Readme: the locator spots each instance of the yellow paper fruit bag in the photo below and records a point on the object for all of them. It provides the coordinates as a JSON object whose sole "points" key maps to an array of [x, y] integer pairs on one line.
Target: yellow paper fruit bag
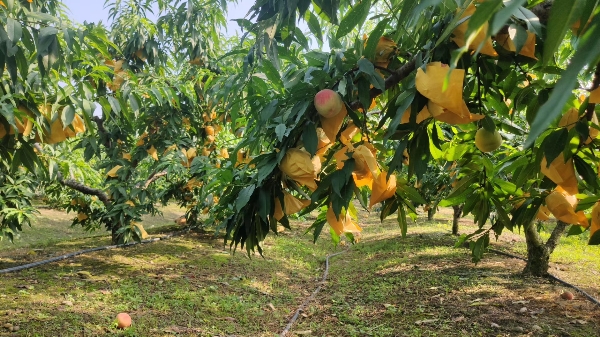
{"points": [[344, 224], [562, 205], [298, 166], [383, 188], [291, 205], [460, 39], [561, 173]]}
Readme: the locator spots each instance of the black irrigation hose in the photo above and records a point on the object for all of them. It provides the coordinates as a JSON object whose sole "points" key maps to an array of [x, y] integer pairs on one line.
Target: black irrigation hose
{"points": [[311, 297], [550, 276], [66, 256]]}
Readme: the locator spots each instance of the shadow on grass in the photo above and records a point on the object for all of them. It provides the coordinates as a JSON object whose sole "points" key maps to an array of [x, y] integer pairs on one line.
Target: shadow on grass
{"points": [[418, 286]]}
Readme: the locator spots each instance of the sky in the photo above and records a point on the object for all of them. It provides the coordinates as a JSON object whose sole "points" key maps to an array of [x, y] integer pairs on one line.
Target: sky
{"points": [[94, 11]]}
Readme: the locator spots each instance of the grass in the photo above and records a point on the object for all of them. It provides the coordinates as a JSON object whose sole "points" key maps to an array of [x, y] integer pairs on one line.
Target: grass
{"points": [[385, 285], [54, 226]]}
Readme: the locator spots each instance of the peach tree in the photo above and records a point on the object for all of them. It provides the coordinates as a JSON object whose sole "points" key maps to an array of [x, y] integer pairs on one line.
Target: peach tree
{"points": [[437, 73], [111, 120]]}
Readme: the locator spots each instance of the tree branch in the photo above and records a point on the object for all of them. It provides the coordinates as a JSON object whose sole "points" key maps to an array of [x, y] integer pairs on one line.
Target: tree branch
{"points": [[395, 78], [542, 11], [102, 130], [555, 236], [154, 177], [77, 186]]}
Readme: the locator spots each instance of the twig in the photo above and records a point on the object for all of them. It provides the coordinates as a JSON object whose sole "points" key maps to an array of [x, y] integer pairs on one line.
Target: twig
{"points": [[311, 297], [154, 177], [395, 78]]}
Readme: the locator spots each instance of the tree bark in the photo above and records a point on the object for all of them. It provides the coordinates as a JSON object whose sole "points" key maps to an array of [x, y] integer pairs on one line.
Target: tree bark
{"points": [[430, 213], [83, 189], [538, 253], [455, 217]]}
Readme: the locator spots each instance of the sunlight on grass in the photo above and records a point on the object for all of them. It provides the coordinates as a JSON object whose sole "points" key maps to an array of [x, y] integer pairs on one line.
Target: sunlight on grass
{"points": [[378, 287]]}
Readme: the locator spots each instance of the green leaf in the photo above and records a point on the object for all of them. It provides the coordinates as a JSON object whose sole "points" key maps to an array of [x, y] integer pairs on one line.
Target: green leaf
{"points": [[410, 193], [244, 197], [373, 39], [554, 144], [405, 100], [586, 171], [268, 111], [586, 203], [533, 22], [587, 51], [402, 220], [488, 123], [114, 105], [310, 138], [502, 215], [505, 186], [317, 227], [458, 195], [67, 116], [575, 230], [280, 131], [396, 162], [562, 16], [503, 15], [272, 73], [14, 30], [594, 238], [353, 18], [42, 16], [265, 167], [313, 25], [365, 66]]}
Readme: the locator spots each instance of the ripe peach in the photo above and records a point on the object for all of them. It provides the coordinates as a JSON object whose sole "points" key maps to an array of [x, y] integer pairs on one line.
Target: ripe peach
{"points": [[123, 320], [328, 103], [567, 295]]}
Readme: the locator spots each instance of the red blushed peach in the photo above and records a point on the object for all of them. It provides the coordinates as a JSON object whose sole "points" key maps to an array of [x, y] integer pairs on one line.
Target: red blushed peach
{"points": [[123, 320], [328, 103], [567, 295]]}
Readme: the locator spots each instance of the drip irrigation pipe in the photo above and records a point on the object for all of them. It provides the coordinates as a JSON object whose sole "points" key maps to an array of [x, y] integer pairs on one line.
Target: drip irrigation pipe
{"points": [[312, 296], [552, 277], [85, 251]]}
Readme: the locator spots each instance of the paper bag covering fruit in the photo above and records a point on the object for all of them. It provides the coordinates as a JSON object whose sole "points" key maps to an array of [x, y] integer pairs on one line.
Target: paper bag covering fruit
{"points": [[481, 38], [298, 166], [24, 124], [444, 105], [561, 173], [189, 154], [343, 224], [562, 205], [113, 172], [571, 117], [528, 48], [291, 205]]}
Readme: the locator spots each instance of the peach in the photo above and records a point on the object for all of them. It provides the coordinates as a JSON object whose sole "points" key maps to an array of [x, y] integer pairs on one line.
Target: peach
{"points": [[123, 320], [328, 103]]}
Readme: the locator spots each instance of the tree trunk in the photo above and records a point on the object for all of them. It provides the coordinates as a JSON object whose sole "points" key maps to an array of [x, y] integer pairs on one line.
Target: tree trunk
{"points": [[455, 217], [430, 213], [538, 253]]}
